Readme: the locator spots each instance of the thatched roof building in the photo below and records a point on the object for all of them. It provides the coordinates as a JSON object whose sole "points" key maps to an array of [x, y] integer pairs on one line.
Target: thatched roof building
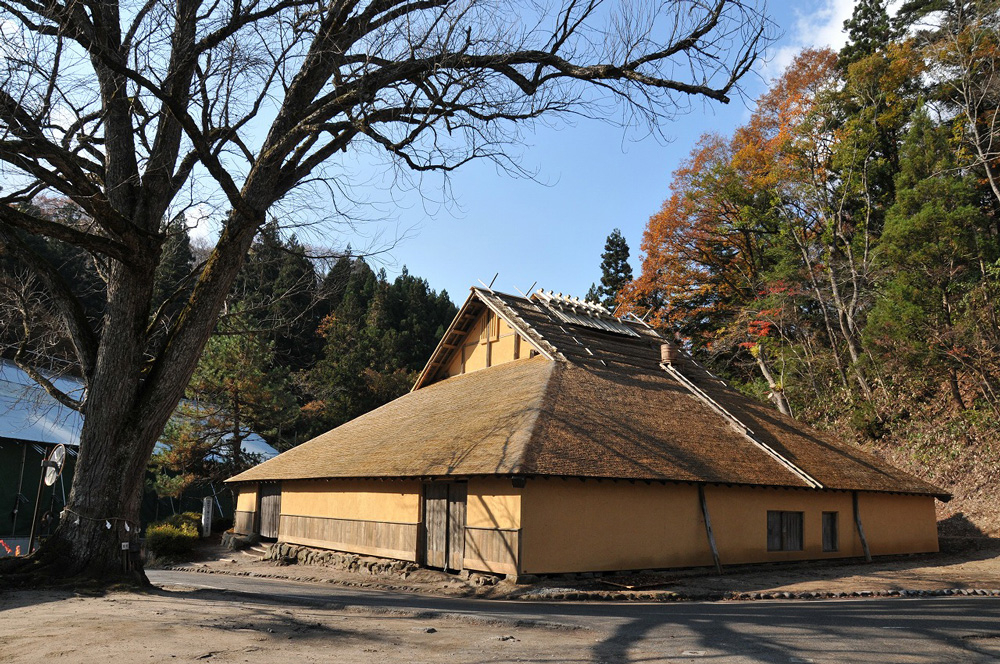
{"points": [[547, 435]]}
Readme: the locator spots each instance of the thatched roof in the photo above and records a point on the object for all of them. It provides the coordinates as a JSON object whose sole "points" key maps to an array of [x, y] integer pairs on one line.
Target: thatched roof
{"points": [[601, 407]]}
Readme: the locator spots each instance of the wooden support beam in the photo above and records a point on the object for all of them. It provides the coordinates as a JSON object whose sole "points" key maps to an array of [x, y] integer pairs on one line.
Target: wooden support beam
{"points": [[708, 529], [861, 528]]}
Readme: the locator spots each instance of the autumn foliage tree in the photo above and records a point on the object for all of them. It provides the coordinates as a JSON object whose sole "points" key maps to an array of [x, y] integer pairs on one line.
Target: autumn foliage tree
{"points": [[836, 250]]}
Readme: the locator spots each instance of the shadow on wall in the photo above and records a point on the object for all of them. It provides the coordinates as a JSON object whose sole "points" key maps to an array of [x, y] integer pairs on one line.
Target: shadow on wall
{"points": [[496, 545]]}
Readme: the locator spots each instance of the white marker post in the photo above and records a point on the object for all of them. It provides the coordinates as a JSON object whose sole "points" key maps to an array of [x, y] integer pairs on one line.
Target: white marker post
{"points": [[206, 517]]}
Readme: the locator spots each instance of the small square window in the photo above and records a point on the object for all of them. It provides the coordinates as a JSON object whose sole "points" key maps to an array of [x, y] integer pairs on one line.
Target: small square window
{"points": [[831, 541], [784, 531]]}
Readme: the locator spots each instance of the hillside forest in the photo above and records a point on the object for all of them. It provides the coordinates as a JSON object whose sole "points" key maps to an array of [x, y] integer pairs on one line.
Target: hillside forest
{"points": [[839, 253]]}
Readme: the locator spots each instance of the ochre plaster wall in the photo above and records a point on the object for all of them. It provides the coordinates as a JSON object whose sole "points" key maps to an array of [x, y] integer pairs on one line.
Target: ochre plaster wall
{"points": [[246, 500], [560, 525], [490, 341], [739, 522], [493, 523], [359, 500], [892, 523], [245, 515], [493, 503], [898, 524], [379, 518], [574, 526]]}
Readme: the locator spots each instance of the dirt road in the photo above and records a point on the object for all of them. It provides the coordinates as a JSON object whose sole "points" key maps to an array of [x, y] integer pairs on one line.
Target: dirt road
{"points": [[245, 619]]}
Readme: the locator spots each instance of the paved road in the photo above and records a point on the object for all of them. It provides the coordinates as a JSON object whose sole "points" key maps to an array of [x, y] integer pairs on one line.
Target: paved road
{"points": [[924, 630]]}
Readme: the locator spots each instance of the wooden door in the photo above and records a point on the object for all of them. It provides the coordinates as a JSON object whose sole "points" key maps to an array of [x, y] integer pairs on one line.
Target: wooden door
{"points": [[436, 524], [270, 509], [457, 495]]}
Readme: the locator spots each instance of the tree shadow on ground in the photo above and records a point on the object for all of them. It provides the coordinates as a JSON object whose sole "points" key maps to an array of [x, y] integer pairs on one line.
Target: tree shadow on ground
{"points": [[959, 525], [887, 631]]}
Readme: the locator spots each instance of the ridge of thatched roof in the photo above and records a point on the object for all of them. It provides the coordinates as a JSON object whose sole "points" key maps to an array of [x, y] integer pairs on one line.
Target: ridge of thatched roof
{"points": [[595, 404]]}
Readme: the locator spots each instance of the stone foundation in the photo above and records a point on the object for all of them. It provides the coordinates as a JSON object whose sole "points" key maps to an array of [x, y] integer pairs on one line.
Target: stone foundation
{"points": [[235, 542], [293, 554]]}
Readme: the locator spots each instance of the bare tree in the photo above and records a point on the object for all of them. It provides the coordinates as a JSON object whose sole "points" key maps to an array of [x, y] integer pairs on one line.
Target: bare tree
{"points": [[962, 45], [131, 109]]}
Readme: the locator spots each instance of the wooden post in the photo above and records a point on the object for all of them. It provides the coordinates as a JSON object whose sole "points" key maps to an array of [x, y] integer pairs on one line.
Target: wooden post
{"points": [[861, 529], [708, 529], [38, 501], [20, 485]]}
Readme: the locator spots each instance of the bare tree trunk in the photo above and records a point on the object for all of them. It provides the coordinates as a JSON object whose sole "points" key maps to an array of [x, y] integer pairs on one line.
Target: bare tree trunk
{"points": [[777, 390], [845, 319], [823, 306], [956, 393], [115, 445]]}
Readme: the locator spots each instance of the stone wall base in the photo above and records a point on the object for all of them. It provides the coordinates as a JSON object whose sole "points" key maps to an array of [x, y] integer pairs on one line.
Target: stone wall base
{"points": [[293, 554], [235, 542]]}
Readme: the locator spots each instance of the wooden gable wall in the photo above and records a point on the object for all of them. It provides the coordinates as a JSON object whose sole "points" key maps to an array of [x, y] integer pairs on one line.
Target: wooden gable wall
{"points": [[490, 341]]}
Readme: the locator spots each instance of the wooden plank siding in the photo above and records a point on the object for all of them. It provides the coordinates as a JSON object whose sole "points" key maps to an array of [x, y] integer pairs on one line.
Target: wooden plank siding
{"points": [[270, 510], [492, 549], [436, 524], [243, 522], [375, 538], [458, 494]]}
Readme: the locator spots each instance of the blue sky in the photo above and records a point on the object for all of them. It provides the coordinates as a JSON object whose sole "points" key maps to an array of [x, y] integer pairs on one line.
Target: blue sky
{"points": [[592, 178]]}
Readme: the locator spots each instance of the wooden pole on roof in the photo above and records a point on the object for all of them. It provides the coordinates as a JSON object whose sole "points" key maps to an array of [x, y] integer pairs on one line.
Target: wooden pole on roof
{"points": [[861, 529], [708, 529]]}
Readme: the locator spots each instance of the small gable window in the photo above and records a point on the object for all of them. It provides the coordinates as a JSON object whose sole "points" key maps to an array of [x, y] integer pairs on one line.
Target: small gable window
{"points": [[784, 531]]}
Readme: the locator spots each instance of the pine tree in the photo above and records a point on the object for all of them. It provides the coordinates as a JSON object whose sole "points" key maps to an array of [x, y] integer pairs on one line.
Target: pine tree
{"points": [[615, 270], [237, 389]]}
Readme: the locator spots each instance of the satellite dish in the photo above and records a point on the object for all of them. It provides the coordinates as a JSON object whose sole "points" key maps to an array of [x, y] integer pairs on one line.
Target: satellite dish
{"points": [[54, 464]]}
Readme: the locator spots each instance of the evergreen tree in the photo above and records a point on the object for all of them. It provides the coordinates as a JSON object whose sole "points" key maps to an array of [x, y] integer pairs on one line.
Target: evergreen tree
{"points": [[276, 292], [173, 273], [377, 339], [868, 30], [237, 389], [931, 256], [615, 271]]}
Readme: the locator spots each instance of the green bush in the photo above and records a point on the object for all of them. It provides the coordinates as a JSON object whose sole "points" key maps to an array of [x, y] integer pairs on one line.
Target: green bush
{"points": [[164, 539], [185, 520]]}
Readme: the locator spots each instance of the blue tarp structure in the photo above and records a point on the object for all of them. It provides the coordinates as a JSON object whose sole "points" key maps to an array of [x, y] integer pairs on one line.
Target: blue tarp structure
{"points": [[31, 424]]}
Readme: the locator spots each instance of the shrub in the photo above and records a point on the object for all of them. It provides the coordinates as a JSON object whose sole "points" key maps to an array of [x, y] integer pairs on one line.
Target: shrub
{"points": [[185, 520], [164, 539]]}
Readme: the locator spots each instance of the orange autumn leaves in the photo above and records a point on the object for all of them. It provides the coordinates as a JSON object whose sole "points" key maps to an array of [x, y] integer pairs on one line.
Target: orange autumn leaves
{"points": [[709, 242]]}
